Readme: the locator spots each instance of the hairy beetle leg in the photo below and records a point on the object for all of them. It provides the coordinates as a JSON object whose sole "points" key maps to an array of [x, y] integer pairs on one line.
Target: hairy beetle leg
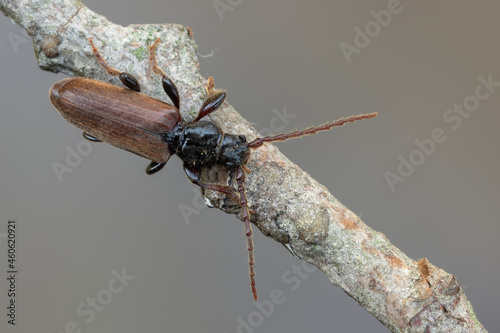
{"points": [[169, 87], [128, 80]]}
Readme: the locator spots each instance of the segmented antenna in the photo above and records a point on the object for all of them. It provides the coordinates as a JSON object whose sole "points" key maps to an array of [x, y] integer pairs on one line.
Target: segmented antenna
{"points": [[308, 131], [240, 179]]}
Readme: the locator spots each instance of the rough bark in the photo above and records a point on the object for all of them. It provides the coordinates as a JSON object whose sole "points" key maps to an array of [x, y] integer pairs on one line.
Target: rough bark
{"points": [[288, 205]]}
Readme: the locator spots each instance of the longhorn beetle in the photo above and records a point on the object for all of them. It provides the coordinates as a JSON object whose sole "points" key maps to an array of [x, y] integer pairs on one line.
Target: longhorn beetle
{"points": [[155, 130]]}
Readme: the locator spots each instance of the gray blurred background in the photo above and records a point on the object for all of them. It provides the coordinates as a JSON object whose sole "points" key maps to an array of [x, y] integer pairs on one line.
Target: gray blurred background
{"points": [[108, 215]]}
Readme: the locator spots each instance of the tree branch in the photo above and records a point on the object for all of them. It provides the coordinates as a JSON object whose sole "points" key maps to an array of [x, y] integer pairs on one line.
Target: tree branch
{"points": [[288, 204]]}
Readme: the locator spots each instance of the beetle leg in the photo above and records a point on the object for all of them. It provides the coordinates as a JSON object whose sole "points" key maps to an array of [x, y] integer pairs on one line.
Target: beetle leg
{"points": [[90, 137], [211, 104], [240, 179], [210, 85], [193, 175], [169, 87], [127, 79], [154, 167], [214, 99]]}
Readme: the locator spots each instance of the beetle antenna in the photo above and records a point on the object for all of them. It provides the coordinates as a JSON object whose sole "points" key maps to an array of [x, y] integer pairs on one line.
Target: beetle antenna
{"points": [[240, 179], [308, 131]]}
